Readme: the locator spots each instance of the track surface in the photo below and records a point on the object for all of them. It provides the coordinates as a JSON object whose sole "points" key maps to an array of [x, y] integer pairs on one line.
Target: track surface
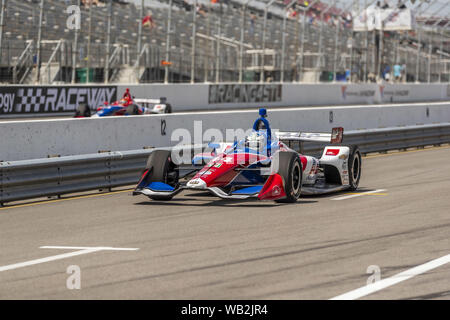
{"points": [[199, 247]]}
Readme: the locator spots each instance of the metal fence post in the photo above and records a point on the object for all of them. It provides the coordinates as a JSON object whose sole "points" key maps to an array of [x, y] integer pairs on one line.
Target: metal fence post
{"points": [[89, 45], [441, 51], [2, 22], [266, 7], [108, 42], [283, 39], [139, 44], [336, 41], [38, 56], [194, 35], [169, 23], [241, 41], [218, 44], [380, 52], [75, 47]]}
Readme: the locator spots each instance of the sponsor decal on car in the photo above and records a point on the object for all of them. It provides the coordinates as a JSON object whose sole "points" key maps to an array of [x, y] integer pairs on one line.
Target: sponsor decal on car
{"points": [[332, 152]]}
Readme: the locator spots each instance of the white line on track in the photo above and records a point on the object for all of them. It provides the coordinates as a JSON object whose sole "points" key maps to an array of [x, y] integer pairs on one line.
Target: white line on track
{"points": [[80, 251], [402, 276], [82, 248], [358, 194]]}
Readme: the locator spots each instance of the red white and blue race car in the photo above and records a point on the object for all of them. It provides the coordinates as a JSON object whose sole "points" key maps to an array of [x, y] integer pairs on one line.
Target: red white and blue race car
{"points": [[260, 166], [126, 106]]}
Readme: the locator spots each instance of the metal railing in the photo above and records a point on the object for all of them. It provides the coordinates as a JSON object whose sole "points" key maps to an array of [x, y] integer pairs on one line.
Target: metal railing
{"points": [[24, 64], [20, 180]]}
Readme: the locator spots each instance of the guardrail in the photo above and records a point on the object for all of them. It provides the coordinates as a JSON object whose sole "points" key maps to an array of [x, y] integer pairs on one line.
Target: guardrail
{"points": [[385, 139], [27, 179]]}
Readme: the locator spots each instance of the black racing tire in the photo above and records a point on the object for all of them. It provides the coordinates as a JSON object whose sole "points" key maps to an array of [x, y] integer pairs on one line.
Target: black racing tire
{"points": [[162, 169], [83, 111], [290, 169], [168, 109], [132, 110], [354, 167]]}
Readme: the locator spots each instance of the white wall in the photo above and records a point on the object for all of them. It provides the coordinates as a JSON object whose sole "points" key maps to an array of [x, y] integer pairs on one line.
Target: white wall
{"points": [[184, 97], [39, 138]]}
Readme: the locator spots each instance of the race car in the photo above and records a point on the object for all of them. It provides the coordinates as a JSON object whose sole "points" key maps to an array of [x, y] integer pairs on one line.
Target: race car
{"points": [[128, 105], [260, 166]]}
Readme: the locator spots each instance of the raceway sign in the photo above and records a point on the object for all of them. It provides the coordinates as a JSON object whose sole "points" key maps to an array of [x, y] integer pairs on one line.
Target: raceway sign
{"points": [[19, 100], [244, 93]]}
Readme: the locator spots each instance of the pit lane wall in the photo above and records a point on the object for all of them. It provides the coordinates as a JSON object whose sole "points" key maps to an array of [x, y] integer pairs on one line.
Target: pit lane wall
{"points": [[40, 138], [30, 101]]}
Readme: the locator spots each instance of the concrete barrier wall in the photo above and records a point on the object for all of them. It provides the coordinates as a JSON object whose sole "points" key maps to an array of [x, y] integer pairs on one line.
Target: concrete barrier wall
{"points": [[44, 100], [40, 138], [186, 97]]}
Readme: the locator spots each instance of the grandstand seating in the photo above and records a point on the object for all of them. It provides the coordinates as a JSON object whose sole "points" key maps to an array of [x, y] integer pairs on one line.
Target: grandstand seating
{"points": [[23, 20]]}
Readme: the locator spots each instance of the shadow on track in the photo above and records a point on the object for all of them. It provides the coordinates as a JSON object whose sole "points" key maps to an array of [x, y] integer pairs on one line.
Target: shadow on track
{"points": [[253, 203]]}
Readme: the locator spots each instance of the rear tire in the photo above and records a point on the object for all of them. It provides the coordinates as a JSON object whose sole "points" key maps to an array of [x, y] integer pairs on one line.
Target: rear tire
{"points": [[162, 169], [168, 109], [290, 169], [83, 111], [354, 167]]}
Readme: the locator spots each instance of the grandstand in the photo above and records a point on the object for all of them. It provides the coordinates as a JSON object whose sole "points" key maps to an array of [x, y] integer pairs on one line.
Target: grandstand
{"points": [[319, 43]]}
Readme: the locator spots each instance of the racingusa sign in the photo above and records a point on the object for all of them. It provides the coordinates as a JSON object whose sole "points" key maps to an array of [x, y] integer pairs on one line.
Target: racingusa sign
{"points": [[20, 100], [244, 93]]}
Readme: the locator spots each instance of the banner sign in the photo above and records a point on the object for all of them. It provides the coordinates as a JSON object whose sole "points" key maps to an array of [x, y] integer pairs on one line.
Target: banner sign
{"points": [[393, 19], [244, 93], [22, 100]]}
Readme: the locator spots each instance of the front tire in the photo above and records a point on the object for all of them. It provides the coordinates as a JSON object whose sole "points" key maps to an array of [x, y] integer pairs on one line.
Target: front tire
{"points": [[162, 169], [354, 167], [290, 169]]}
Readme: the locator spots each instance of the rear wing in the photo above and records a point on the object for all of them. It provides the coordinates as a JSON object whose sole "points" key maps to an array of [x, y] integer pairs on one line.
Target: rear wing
{"points": [[336, 136], [160, 100]]}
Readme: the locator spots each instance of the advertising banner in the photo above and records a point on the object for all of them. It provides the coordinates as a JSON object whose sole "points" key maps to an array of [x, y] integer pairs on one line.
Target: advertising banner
{"points": [[24, 100], [392, 19], [244, 93]]}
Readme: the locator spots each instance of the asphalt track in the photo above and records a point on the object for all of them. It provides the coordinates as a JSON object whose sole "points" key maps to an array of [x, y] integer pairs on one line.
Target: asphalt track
{"points": [[200, 247]]}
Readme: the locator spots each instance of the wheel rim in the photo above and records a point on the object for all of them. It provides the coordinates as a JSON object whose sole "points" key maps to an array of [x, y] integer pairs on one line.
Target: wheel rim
{"points": [[296, 178], [355, 168]]}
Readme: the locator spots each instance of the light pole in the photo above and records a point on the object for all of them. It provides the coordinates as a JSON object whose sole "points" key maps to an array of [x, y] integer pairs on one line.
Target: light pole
{"points": [[266, 7], [283, 39], [169, 23]]}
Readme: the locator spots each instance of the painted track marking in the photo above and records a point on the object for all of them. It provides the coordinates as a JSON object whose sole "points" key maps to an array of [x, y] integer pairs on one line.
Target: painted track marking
{"points": [[402, 276], [359, 194], [80, 251]]}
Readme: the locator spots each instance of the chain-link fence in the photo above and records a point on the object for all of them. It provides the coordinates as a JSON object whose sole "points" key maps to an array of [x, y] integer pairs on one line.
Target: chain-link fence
{"points": [[216, 41]]}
